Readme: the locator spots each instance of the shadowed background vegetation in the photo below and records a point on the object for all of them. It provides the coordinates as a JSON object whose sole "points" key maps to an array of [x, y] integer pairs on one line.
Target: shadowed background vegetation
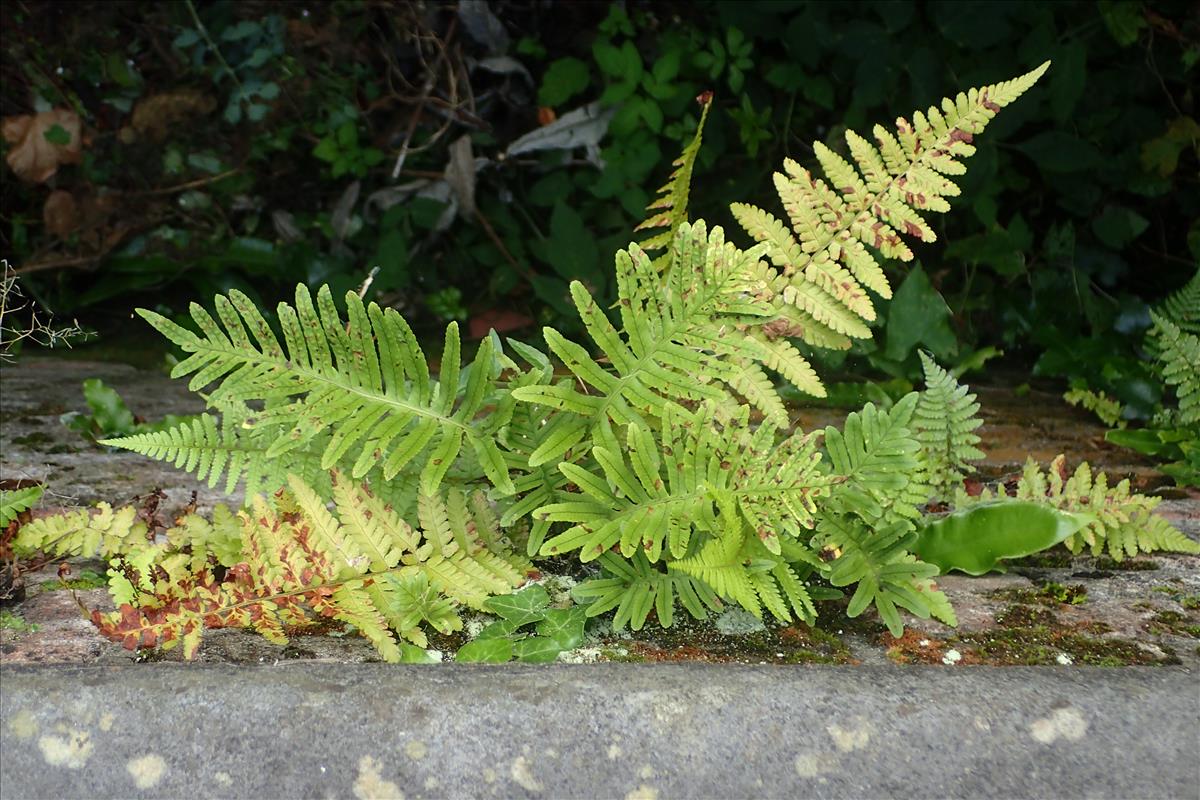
{"points": [[483, 155]]}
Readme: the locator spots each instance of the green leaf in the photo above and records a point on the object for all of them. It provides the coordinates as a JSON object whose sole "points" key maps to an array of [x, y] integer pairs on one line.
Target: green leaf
{"points": [[974, 541], [564, 626], [1117, 226], [13, 502], [520, 608], [485, 651], [919, 315], [564, 79], [537, 650], [57, 134], [109, 411], [1059, 151]]}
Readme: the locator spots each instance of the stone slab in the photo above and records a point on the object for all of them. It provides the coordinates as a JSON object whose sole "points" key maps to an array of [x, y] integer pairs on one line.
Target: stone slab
{"points": [[620, 731]]}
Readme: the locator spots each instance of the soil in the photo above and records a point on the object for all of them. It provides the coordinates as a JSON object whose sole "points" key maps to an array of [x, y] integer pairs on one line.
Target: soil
{"points": [[1053, 608]]}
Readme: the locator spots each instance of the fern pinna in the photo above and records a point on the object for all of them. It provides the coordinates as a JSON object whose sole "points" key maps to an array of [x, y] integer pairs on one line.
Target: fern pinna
{"points": [[287, 562]]}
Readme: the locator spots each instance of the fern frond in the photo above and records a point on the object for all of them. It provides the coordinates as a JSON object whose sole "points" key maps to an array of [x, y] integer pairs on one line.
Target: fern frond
{"points": [[1107, 409], [1123, 521], [635, 588], [363, 381], [887, 574], [876, 462], [944, 423], [1179, 360], [14, 501], [1182, 308], [822, 264], [659, 499], [300, 562], [669, 209], [102, 534]]}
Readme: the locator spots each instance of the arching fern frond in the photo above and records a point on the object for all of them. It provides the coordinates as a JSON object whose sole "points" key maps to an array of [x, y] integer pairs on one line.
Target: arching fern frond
{"points": [[687, 335], [944, 423], [670, 209], [823, 262], [1182, 308], [635, 588], [1123, 521], [363, 381]]}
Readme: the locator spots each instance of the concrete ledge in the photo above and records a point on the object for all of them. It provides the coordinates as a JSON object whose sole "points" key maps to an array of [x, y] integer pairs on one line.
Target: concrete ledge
{"points": [[624, 731]]}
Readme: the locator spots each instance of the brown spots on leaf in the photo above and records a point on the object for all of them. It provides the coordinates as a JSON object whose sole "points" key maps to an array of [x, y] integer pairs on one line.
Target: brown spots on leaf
{"points": [[959, 135]]}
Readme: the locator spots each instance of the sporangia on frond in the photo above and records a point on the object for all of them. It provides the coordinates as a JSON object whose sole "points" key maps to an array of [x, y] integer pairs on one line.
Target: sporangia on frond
{"points": [[944, 423], [1123, 521], [823, 263], [295, 563]]}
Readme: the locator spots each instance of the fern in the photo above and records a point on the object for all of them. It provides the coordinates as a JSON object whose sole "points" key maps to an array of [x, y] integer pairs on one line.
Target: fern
{"points": [[944, 423], [365, 382], [635, 588], [289, 562], [1179, 360], [1107, 409], [1182, 308], [1123, 522], [823, 265], [670, 209], [15, 501]]}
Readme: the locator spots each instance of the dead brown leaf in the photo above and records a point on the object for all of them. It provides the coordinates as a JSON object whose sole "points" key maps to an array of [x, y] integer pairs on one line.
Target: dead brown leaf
{"points": [[60, 214], [32, 157]]}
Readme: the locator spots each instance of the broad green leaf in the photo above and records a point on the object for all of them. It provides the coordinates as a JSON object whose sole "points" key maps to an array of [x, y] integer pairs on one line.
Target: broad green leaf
{"points": [[485, 651], [537, 650], [975, 540], [564, 626], [520, 608]]}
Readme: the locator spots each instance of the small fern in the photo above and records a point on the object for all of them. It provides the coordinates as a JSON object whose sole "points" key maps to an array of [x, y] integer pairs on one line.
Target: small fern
{"points": [[1123, 520], [1179, 360], [944, 422], [287, 562], [15, 501], [1108, 410]]}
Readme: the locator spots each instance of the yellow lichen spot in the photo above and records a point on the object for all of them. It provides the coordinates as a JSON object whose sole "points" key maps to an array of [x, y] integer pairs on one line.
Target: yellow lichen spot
{"points": [[646, 772], [147, 771], [223, 778], [523, 775], [851, 737], [489, 775], [71, 750], [23, 725], [643, 792], [811, 765], [614, 751], [416, 749], [106, 722], [1063, 723], [370, 785], [432, 783]]}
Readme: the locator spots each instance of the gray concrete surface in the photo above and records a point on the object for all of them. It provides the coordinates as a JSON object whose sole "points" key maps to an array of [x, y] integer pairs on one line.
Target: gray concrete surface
{"points": [[621, 731]]}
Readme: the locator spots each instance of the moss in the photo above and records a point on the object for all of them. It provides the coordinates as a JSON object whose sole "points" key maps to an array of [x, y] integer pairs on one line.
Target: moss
{"points": [[11, 621], [1045, 645], [620, 656], [1174, 622], [1190, 601], [33, 439], [87, 579], [1054, 558], [1130, 564], [1048, 594]]}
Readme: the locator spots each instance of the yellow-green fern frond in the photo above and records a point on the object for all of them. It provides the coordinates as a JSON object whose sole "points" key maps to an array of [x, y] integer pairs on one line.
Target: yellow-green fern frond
{"points": [[822, 262], [670, 209], [1179, 359], [944, 423]]}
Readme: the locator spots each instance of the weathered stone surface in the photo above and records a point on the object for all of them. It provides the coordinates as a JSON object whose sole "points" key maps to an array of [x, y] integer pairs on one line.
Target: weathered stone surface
{"points": [[620, 731]]}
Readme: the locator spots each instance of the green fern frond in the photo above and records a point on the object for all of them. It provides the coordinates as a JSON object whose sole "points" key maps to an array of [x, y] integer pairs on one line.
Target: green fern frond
{"points": [[363, 381], [103, 534], [669, 209], [1179, 359], [635, 588], [1182, 308], [887, 574], [1123, 521], [660, 498], [876, 461], [14, 501], [944, 423], [823, 265], [1107, 409]]}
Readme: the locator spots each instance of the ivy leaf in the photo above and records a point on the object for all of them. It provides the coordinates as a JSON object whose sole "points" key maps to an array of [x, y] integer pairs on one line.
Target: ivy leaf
{"points": [[919, 315], [564, 626], [485, 651], [537, 650], [520, 608]]}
